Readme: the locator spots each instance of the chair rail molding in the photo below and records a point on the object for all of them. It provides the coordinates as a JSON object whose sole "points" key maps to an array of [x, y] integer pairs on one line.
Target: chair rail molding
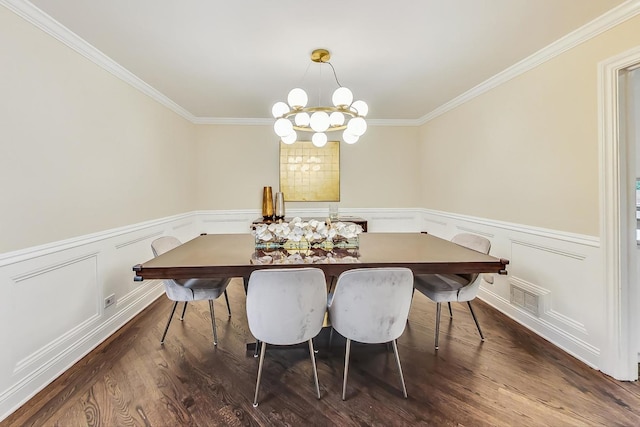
{"points": [[620, 357]]}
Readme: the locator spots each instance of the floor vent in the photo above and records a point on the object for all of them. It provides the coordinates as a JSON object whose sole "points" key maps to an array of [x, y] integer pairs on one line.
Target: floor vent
{"points": [[525, 299]]}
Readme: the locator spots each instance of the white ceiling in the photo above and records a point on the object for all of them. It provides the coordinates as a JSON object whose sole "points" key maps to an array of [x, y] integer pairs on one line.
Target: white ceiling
{"points": [[234, 59]]}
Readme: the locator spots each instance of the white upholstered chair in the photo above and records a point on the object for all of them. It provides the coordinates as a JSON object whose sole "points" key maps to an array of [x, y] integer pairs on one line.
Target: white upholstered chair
{"points": [[286, 307], [371, 305], [454, 287], [186, 290]]}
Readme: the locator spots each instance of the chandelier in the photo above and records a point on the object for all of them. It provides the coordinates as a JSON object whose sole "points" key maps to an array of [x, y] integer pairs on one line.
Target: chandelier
{"points": [[345, 114]]}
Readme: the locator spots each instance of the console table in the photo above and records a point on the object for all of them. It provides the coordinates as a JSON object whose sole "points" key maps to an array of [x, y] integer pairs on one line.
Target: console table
{"points": [[354, 219]]}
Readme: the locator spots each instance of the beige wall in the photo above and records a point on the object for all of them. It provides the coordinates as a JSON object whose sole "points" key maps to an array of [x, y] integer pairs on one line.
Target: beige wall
{"points": [[236, 162], [81, 151], [527, 151]]}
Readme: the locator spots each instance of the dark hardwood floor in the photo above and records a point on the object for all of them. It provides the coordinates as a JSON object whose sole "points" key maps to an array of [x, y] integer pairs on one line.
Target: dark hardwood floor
{"points": [[514, 378]]}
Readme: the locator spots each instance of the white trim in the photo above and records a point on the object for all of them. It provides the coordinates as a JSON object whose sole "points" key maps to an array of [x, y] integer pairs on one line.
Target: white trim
{"points": [[581, 239], [56, 366], [562, 339], [620, 359], [46, 23], [625, 11], [13, 257], [269, 122]]}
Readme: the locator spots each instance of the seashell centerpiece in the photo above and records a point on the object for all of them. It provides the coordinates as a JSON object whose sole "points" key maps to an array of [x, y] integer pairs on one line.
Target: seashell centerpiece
{"points": [[298, 234]]}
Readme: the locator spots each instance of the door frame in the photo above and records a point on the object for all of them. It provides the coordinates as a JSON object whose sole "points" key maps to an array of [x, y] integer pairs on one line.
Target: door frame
{"points": [[620, 350]]}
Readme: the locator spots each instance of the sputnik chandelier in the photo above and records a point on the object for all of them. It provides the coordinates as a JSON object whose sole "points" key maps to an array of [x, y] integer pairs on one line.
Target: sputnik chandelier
{"points": [[345, 114]]}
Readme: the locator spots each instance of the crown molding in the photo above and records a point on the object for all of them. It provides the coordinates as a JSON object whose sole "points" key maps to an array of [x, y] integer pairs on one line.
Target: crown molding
{"points": [[32, 14], [46, 23], [269, 121], [625, 11]]}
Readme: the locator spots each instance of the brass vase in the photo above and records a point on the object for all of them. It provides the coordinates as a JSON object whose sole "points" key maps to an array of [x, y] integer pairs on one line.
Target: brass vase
{"points": [[267, 204]]}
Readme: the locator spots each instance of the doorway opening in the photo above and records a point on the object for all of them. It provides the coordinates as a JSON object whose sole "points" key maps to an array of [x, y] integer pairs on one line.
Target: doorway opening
{"points": [[618, 116]]}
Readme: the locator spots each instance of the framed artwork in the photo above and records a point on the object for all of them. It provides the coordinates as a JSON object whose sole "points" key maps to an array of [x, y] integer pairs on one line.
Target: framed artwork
{"points": [[309, 173]]}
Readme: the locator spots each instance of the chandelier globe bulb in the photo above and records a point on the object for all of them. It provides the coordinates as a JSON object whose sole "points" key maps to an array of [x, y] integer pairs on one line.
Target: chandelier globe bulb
{"points": [[279, 109], [283, 127], [336, 119], [302, 119], [290, 139], [297, 98], [349, 138], [342, 97], [319, 139], [361, 108], [357, 126], [319, 121]]}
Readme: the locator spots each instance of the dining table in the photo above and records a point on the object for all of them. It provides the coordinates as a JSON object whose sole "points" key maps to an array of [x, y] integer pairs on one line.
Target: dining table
{"points": [[236, 255]]}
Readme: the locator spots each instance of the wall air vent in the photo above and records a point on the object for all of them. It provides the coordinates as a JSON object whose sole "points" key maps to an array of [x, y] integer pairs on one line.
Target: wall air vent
{"points": [[525, 299]]}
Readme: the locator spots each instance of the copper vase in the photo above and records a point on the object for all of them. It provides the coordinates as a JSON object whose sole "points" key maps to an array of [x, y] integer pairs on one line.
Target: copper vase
{"points": [[267, 204]]}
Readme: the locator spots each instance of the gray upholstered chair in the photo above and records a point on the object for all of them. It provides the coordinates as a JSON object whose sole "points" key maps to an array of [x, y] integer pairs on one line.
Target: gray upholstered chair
{"points": [[187, 290], [371, 305], [286, 307], [454, 287]]}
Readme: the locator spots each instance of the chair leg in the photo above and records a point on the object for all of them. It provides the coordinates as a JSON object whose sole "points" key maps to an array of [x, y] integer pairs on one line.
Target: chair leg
{"points": [[330, 337], [255, 352], [475, 320], [395, 351], [450, 312], [315, 369], [346, 369], [173, 310], [226, 297], [263, 350], [184, 310], [213, 323], [438, 310]]}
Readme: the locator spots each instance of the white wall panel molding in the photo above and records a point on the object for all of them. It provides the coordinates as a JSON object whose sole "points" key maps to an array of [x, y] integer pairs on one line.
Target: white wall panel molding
{"points": [[138, 239], [616, 16], [560, 270], [379, 220], [52, 351], [550, 249], [475, 231], [546, 305], [8, 258], [104, 260], [572, 344], [53, 314], [580, 239], [47, 269], [182, 225]]}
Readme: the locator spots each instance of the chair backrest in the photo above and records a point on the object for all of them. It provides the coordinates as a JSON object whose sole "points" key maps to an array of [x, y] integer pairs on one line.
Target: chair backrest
{"points": [[174, 289], [475, 242], [164, 244], [371, 305], [286, 306]]}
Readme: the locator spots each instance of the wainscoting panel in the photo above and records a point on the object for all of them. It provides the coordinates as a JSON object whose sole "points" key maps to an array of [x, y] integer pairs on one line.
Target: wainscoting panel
{"points": [[52, 311], [561, 270]]}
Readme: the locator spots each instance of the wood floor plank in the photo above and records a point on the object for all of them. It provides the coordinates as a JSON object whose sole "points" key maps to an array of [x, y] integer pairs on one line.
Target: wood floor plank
{"points": [[513, 378]]}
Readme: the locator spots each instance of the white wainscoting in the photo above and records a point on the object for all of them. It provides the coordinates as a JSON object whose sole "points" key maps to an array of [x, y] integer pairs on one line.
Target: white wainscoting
{"points": [[52, 314], [52, 310], [562, 269]]}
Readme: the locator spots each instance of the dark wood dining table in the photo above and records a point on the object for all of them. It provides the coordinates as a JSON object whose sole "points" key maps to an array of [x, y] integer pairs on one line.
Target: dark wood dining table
{"points": [[234, 255]]}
